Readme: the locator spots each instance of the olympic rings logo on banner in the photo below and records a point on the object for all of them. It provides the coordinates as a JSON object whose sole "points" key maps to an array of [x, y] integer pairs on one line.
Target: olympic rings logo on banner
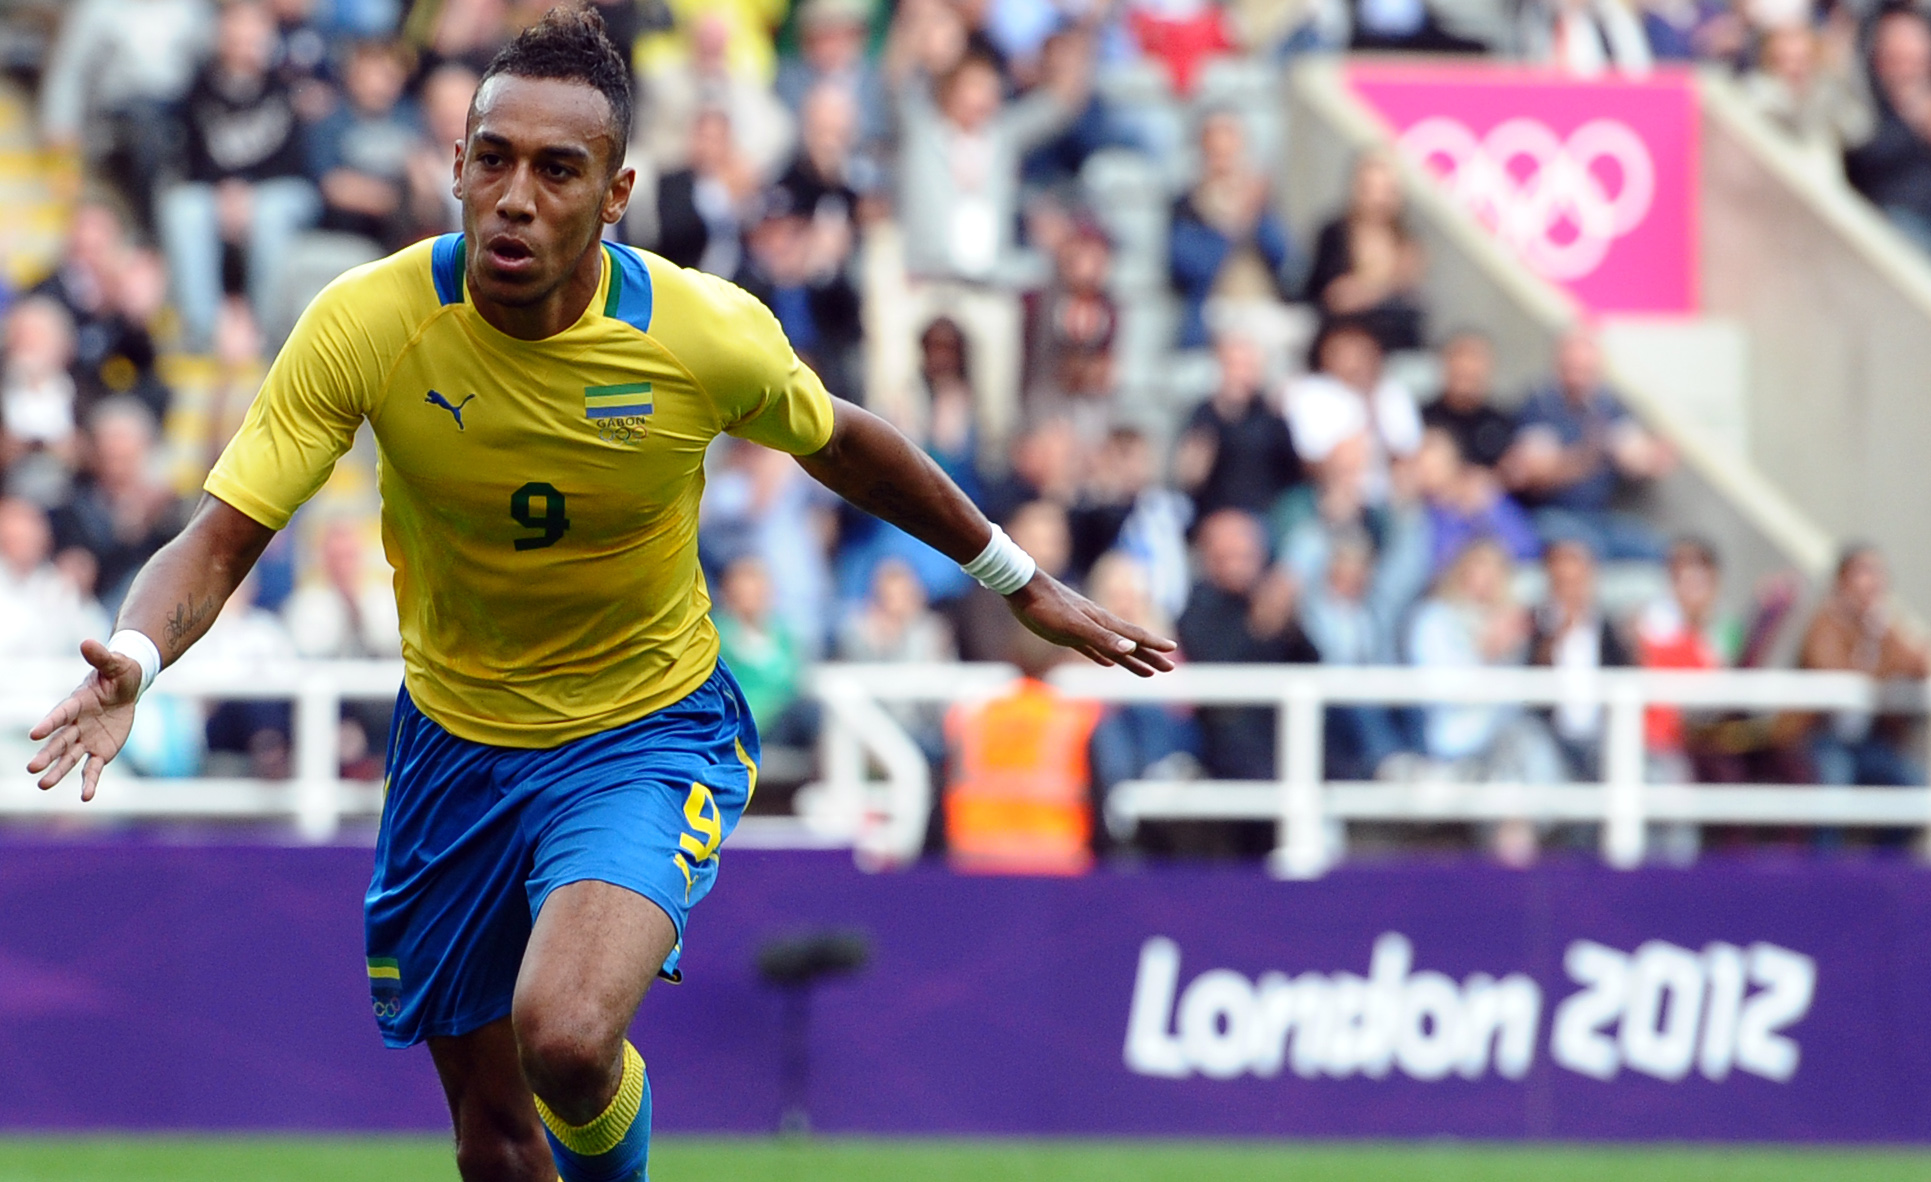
{"points": [[1560, 190]]}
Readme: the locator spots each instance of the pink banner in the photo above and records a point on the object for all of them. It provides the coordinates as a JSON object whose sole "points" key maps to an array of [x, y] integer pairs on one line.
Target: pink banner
{"points": [[1591, 183]]}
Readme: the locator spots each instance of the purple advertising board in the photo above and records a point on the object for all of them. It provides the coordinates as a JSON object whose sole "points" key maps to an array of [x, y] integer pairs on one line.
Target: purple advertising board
{"points": [[218, 987]]}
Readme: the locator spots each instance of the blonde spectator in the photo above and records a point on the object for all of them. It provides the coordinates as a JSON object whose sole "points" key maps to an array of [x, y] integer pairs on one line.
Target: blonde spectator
{"points": [[1802, 83], [1471, 622], [42, 613], [37, 395], [349, 611]]}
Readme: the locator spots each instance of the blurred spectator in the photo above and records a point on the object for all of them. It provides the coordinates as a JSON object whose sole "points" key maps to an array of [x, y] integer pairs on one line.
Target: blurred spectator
{"points": [[359, 156], [981, 620], [1575, 445], [949, 426], [1227, 241], [122, 512], [116, 77], [762, 653], [705, 80], [1856, 630], [894, 623], [38, 439], [42, 614], [302, 56], [1571, 633], [1350, 614], [1143, 740], [1018, 796], [248, 737], [1367, 266], [700, 209], [1694, 30], [1584, 37], [829, 179], [1127, 511], [1404, 25], [1802, 83], [468, 32], [1240, 611], [958, 166], [1099, 125], [1893, 167], [796, 263], [1236, 452], [1047, 463], [1685, 631], [113, 292], [832, 42], [433, 208], [1182, 35], [1470, 622], [761, 503], [350, 612], [672, 27], [1071, 324], [1348, 396], [1466, 502], [1466, 410], [245, 186]]}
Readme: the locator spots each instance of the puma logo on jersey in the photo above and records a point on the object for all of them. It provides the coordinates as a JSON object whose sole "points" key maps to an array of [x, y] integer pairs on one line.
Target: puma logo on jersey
{"points": [[456, 411]]}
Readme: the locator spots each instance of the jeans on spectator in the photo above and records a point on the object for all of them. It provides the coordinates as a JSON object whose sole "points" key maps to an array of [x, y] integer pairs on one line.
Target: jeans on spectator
{"points": [[191, 236], [1869, 761], [1613, 536], [1359, 738]]}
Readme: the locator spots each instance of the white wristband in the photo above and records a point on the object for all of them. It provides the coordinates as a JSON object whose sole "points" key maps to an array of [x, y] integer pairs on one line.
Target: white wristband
{"points": [[1002, 567], [130, 643]]}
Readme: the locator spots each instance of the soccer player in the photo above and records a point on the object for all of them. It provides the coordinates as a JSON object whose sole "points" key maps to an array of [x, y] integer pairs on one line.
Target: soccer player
{"points": [[568, 752]]}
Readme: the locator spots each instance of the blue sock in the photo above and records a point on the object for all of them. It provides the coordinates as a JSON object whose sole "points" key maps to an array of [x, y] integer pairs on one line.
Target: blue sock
{"points": [[615, 1147]]}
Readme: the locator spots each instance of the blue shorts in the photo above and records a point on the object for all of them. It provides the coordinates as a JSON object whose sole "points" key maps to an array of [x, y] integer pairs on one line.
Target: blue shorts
{"points": [[475, 837]]}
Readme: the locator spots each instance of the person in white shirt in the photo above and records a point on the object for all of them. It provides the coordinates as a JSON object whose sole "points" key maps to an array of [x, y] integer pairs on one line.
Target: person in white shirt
{"points": [[42, 614], [1349, 397], [348, 613]]}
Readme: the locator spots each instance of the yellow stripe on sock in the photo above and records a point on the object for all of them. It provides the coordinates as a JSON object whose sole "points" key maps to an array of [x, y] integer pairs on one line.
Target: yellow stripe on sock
{"points": [[608, 1130]]}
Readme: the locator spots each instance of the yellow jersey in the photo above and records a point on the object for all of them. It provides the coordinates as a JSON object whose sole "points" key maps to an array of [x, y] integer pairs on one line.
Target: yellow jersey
{"points": [[539, 498]]}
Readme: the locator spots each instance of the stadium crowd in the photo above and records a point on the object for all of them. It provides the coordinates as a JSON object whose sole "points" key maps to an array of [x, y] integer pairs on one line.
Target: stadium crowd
{"points": [[1370, 499]]}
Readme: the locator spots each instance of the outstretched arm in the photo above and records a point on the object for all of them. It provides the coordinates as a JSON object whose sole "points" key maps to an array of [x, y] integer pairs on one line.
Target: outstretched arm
{"points": [[173, 601], [870, 464]]}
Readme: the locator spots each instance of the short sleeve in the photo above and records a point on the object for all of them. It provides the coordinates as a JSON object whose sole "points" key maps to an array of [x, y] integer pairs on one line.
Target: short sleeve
{"points": [[305, 417], [762, 392]]}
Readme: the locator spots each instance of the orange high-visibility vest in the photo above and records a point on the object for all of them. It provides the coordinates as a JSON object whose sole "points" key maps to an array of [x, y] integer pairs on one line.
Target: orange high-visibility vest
{"points": [[1017, 802]]}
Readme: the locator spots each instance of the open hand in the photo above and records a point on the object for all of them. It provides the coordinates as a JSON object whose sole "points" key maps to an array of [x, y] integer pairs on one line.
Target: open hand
{"points": [[91, 724], [1053, 612]]}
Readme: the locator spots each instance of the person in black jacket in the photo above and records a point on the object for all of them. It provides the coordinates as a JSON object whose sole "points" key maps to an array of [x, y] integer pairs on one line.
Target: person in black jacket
{"points": [[1236, 451], [796, 263], [1893, 167], [1240, 611], [1570, 632], [246, 188]]}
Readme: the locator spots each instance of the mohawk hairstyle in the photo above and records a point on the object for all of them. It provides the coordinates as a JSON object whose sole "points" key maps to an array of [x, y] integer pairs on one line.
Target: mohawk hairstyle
{"points": [[570, 43]]}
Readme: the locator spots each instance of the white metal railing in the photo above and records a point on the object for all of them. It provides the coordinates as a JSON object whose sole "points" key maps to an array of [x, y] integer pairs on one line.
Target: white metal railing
{"points": [[890, 814], [882, 817]]}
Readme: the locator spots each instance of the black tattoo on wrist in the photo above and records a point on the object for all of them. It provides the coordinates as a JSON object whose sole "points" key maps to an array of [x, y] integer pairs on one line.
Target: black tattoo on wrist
{"points": [[186, 618]]}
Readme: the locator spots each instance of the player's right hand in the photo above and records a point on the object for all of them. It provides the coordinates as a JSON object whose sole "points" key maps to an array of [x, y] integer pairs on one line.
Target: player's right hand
{"points": [[91, 724]]}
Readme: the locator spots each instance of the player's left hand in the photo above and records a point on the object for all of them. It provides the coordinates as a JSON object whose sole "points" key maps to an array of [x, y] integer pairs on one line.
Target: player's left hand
{"points": [[1053, 612]]}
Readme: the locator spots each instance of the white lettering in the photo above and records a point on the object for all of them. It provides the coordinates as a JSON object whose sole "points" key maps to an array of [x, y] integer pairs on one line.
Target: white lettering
{"points": [[1150, 1050], [1665, 1006], [1578, 1042], [1790, 981]]}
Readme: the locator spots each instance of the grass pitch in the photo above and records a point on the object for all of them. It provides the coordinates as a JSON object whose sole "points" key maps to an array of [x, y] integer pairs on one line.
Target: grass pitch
{"points": [[324, 1159]]}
